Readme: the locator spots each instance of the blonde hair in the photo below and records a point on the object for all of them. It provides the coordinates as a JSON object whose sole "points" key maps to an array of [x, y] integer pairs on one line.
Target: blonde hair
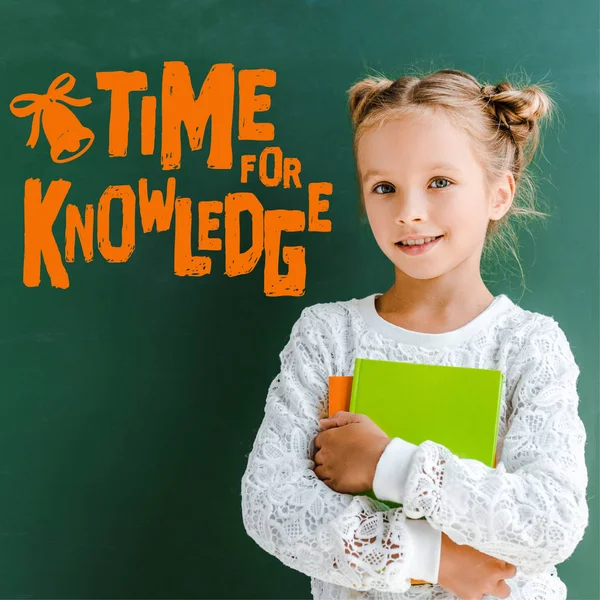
{"points": [[501, 121]]}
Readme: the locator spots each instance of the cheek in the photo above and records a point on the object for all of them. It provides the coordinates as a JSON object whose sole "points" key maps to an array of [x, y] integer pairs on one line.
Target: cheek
{"points": [[465, 228], [458, 214], [378, 217]]}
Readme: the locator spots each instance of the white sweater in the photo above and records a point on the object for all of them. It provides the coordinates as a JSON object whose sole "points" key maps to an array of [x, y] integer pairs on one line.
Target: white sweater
{"points": [[530, 511]]}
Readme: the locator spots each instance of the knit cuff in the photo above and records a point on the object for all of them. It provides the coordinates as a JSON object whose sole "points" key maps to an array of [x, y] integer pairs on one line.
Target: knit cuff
{"points": [[392, 470], [426, 544]]}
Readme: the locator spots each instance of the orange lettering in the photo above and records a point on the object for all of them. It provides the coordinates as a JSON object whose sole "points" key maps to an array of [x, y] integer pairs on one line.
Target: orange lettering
{"points": [[293, 173], [277, 167], [185, 263], [120, 83], [247, 164], [85, 232], [250, 104], [156, 210], [148, 124], [294, 282], [40, 215], [206, 225], [316, 206], [117, 254], [236, 262], [179, 106]]}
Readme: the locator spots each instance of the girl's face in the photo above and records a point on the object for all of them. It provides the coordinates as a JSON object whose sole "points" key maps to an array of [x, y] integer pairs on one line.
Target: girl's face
{"points": [[420, 178]]}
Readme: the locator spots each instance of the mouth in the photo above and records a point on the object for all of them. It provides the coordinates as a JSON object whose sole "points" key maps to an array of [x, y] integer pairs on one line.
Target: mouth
{"points": [[417, 249]]}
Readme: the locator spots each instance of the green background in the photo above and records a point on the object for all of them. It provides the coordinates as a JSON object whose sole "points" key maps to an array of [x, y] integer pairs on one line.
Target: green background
{"points": [[130, 400]]}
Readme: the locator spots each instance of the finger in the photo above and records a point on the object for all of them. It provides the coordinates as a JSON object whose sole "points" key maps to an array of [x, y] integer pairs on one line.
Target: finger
{"points": [[318, 458], [318, 441], [502, 590], [319, 472], [509, 571], [327, 423], [322, 474], [343, 417]]}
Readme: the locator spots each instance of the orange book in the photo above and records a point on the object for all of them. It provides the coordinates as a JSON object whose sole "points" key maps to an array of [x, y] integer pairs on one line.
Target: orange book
{"points": [[340, 390]]}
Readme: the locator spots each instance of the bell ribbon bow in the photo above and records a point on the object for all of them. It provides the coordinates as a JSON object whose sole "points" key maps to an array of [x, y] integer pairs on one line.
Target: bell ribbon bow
{"points": [[57, 91]]}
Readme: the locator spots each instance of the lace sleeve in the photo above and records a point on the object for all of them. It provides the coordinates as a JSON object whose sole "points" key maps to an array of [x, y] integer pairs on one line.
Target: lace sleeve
{"points": [[531, 510], [352, 541]]}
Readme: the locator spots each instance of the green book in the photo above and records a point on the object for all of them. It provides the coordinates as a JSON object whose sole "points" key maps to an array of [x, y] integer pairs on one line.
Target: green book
{"points": [[458, 407]]}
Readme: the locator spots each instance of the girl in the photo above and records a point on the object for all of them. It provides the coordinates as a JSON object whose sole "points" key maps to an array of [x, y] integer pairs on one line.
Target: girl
{"points": [[440, 161]]}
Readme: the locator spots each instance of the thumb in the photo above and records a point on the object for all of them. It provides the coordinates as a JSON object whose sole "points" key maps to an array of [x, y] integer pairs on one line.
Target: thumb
{"points": [[339, 419]]}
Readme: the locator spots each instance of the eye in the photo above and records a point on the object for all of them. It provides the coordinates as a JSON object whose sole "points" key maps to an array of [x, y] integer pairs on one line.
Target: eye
{"points": [[384, 185], [441, 179]]}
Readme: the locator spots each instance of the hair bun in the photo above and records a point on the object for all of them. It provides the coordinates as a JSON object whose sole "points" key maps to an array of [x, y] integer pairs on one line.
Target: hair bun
{"points": [[514, 108], [362, 93]]}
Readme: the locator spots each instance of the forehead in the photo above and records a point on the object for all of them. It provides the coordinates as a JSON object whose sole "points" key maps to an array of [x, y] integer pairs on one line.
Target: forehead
{"points": [[414, 143]]}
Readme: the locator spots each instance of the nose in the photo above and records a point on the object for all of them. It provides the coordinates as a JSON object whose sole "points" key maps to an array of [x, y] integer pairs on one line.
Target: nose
{"points": [[410, 208]]}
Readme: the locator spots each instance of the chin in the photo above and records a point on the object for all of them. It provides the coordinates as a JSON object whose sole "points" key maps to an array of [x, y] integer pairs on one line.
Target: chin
{"points": [[419, 273]]}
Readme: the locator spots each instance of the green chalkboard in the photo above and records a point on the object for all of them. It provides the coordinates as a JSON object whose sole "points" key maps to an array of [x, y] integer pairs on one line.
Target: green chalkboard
{"points": [[131, 397]]}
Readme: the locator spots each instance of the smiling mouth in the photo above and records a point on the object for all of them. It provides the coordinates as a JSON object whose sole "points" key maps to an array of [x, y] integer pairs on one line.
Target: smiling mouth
{"points": [[417, 245], [419, 249]]}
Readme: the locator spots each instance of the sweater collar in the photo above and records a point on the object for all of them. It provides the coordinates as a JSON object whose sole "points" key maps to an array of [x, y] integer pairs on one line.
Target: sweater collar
{"points": [[366, 308]]}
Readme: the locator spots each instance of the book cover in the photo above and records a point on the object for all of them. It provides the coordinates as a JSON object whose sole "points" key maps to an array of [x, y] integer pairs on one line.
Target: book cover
{"points": [[458, 407]]}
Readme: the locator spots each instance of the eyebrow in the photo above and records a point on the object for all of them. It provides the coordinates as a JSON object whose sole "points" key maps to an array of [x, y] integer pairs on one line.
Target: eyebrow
{"points": [[445, 166]]}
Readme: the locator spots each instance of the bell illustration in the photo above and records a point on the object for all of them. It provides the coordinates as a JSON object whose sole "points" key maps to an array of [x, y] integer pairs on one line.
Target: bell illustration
{"points": [[65, 133], [67, 137]]}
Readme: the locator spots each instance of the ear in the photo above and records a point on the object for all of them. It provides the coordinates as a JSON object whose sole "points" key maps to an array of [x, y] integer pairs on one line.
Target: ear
{"points": [[502, 196]]}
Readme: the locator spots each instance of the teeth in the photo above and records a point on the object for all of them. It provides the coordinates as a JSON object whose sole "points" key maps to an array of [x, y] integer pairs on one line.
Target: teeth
{"points": [[417, 242]]}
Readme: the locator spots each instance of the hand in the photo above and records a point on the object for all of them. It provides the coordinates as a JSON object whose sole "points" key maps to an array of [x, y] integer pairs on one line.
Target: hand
{"points": [[469, 574], [348, 450]]}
